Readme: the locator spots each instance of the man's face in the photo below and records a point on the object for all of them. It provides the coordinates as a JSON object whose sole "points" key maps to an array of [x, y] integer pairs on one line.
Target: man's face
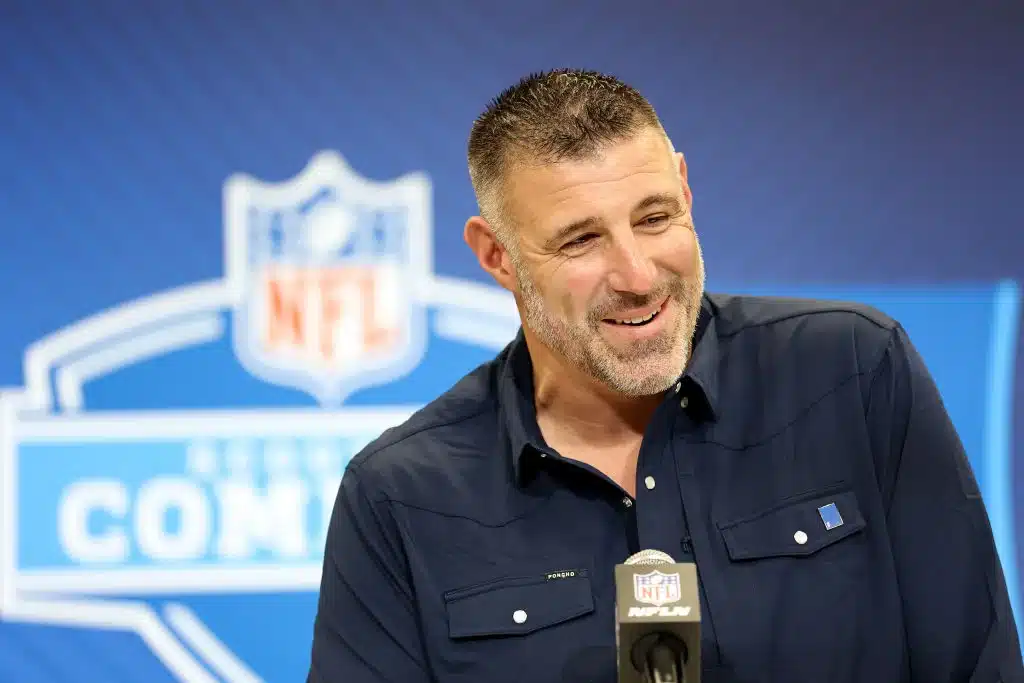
{"points": [[601, 246]]}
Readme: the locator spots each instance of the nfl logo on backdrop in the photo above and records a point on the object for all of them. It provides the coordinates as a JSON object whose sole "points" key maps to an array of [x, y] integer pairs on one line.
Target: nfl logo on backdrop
{"points": [[326, 269], [656, 588]]}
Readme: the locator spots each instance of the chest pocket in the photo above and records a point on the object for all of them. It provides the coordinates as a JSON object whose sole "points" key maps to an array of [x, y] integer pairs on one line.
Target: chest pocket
{"points": [[795, 528], [797, 590], [517, 606]]}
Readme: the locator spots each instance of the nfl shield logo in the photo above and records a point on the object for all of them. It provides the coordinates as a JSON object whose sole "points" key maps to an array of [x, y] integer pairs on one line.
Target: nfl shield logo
{"points": [[327, 270], [656, 588]]}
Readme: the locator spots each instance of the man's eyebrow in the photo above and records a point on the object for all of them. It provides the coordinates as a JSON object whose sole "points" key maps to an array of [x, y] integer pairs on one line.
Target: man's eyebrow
{"points": [[670, 200]]}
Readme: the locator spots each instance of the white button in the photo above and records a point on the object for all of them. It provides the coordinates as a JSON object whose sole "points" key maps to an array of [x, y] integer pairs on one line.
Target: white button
{"points": [[685, 402], [649, 482], [627, 502], [543, 455], [800, 537], [519, 616], [679, 385]]}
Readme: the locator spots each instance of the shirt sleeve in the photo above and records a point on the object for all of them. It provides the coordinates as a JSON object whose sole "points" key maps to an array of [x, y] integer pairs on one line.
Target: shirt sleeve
{"points": [[366, 626], [956, 609]]}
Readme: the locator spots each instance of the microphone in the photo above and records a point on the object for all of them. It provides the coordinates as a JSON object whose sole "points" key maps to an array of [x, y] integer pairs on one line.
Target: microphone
{"points": [[657, 619]]}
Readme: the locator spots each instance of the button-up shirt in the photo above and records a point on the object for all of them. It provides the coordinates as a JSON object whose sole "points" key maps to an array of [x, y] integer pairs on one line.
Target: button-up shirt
{"points": [[804, 462]]}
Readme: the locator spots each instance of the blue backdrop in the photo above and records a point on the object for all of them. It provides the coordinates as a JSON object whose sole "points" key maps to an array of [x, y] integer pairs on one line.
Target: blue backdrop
{"points": [[166, 468]]}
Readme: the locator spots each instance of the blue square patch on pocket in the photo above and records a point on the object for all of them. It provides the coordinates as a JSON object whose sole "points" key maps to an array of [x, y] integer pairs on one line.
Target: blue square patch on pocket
{"points": [[830, 516]]}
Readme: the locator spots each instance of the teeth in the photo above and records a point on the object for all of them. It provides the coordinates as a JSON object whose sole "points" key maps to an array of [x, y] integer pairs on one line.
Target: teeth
{"points": [[637, 321]]}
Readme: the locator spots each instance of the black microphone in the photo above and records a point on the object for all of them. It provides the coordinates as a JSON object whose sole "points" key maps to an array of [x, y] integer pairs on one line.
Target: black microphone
{"points": [[657, 619]]}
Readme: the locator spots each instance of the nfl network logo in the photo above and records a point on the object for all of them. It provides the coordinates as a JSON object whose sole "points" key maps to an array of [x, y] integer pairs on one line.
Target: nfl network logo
{"points": [[169, 468], [656, 588]]}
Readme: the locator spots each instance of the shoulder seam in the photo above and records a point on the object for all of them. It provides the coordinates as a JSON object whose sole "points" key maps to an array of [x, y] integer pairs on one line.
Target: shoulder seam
{"points": [[367, 455], [800, 314]]}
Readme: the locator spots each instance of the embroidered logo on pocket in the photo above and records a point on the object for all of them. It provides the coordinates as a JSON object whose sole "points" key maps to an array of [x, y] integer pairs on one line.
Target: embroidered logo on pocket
{"points": [[830, 516]]}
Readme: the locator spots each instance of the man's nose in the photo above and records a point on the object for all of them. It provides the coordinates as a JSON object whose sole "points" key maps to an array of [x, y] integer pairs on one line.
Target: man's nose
{"points": [[631, 268]]}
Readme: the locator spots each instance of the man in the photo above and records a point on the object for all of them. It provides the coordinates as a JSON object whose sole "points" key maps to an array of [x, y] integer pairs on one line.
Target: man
{"points": [[796, 451]]}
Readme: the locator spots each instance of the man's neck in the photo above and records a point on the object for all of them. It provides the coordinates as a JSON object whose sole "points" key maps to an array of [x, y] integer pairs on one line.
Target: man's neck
{"points": [[583, 408]]}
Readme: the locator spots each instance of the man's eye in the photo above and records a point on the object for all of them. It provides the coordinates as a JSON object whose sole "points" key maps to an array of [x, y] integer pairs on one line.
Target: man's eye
{"points": [[580, 241], [654, 221]]}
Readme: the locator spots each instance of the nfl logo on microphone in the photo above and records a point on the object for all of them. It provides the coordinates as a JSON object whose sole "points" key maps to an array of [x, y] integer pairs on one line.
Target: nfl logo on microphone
{"points": [[656, 588]]}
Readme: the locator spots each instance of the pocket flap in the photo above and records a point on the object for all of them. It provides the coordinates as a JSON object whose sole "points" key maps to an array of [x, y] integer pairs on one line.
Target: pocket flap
{"points": [[795, 528], [518, 605]]}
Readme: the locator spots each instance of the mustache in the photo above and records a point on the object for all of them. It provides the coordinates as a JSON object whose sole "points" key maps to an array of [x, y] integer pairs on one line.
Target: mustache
{"points": [[625, 300]]}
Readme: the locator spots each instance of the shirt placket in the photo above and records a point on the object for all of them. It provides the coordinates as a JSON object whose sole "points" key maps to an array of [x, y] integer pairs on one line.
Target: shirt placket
{"points": [[657, 509]]}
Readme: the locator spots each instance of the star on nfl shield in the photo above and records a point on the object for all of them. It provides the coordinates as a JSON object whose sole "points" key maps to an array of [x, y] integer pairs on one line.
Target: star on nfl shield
{"points": [[656, 588], [328, 270]]}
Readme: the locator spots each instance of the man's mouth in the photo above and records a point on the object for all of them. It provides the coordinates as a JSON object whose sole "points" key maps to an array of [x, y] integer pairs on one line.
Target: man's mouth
{"points": [[637, 321]]}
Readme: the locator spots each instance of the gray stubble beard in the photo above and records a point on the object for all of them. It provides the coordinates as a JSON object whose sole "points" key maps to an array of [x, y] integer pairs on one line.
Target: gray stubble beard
{"points": [[585, 350]]}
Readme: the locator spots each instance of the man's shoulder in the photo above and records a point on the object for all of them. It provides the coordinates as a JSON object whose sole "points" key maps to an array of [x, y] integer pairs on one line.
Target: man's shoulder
{"points": [[458, 421], [739, 314], [819, 342], [800, 326]]}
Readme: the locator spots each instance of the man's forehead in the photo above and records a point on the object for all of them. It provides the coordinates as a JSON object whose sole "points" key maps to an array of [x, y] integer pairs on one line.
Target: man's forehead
{"points": [[648, 146], [538, 191]]}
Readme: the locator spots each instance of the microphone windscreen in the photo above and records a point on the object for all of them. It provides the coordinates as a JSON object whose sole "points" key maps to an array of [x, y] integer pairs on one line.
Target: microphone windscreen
{"points": [[650, 557]]}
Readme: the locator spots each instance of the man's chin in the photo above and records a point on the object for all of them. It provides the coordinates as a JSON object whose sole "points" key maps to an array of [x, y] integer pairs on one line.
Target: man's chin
{"points": [[638, 386], [642, 376], [659, 352]]}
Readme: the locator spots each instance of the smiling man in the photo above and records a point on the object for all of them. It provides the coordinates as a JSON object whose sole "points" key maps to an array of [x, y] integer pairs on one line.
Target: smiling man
{"points": [[796, 451], [596, 239]]}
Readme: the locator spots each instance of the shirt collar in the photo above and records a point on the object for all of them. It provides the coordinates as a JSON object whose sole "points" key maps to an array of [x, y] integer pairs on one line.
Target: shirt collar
{"points": [[519, 414]]}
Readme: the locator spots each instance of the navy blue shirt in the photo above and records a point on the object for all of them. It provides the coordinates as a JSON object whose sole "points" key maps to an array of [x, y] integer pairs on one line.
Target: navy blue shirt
{"points": [[804, 462]]}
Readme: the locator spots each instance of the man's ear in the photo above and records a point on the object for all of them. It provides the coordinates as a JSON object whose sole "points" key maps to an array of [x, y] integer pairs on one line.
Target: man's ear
{"points": [[683, 178], [492, 256]]}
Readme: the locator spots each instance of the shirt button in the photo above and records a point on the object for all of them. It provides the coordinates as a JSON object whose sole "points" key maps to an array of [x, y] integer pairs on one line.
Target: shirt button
{"points": [[800, 537], [649, 482], [519, 616], [678, 386], [684, 402], [627, 502]]}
